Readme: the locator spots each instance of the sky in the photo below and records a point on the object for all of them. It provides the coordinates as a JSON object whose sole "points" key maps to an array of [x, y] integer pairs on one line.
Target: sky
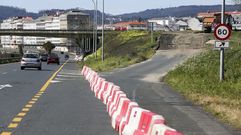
{"points": [[114, 7]]}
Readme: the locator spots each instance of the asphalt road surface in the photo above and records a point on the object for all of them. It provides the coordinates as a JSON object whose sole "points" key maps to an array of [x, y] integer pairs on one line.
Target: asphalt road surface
{"points": [[66, 106], [58, 101], [141, 82]]}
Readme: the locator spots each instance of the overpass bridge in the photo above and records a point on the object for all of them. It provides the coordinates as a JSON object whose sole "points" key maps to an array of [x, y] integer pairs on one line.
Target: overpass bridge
{"points": [[49, 33], [85, 37]]}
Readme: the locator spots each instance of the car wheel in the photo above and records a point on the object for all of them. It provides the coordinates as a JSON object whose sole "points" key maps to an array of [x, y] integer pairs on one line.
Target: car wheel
{"points": [[58, 63], [47, 63], [39, 68], [22, 68]]}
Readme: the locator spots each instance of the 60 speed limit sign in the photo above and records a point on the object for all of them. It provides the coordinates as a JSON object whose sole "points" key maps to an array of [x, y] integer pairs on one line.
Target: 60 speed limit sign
{"points": [[222, 32]]}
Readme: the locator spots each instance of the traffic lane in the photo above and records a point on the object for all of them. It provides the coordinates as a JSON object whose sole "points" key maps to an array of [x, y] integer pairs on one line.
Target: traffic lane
{"points": [[158, 64], [178, 112], [8, 68], [67, 107], [25, 83]]}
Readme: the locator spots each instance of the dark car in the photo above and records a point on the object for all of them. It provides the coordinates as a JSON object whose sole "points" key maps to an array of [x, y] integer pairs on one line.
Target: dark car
{"points": [[66, 56], [44, 57], [53, 58]]}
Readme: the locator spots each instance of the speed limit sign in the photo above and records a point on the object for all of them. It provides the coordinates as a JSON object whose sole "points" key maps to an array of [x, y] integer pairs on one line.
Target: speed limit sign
{"points": [[222, 32]]}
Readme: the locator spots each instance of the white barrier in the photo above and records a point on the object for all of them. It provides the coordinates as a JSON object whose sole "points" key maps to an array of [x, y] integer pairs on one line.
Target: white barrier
{"points": [[126, 117]]}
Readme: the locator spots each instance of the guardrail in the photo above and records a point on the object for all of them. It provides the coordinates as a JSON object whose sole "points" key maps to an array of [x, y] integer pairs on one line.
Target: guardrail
{"points": [[9, 60]]}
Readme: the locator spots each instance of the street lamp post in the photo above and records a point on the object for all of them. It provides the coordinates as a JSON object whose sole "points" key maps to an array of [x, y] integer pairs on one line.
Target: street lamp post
{"points": [[94, 28], [103, 12]]}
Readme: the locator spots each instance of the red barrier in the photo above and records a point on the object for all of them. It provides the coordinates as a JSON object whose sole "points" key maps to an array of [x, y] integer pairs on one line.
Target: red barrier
{"points": [[110, 93], [112, 99], [116, 101], [146, 122], [132, 125], [126, 116], [118, 117]]}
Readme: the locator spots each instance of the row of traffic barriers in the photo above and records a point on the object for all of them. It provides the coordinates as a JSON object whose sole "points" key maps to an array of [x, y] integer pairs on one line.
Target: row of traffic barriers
{"points": [[127, 117]]}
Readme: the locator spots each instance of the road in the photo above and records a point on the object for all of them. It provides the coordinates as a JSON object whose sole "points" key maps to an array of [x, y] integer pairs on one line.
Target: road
{"points": [[36, 102], [67, 106], [141, 83]]}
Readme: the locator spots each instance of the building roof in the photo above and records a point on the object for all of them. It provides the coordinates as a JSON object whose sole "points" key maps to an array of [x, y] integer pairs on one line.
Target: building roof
{"points": [[211, 14], [208, 20], [129, 23], [75, 12], [181, 23], [202, 15]]}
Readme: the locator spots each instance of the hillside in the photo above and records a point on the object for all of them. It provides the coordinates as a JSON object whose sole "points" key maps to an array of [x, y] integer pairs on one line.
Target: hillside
{"points": [[198, 80], [181, 11], [6, 12], [122, 49]]}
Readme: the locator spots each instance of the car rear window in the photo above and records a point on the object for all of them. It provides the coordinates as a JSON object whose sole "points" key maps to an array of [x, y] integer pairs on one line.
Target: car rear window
{"points": [[53, 55], [30, 55], [44, 54]]}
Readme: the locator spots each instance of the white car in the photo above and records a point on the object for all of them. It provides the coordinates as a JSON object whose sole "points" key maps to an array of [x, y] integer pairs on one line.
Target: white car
{"points": [[78, 57], [31, 60]]}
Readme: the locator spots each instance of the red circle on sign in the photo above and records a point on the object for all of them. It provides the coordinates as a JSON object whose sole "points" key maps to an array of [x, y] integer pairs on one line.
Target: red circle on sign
{"points": [[219, 37]]}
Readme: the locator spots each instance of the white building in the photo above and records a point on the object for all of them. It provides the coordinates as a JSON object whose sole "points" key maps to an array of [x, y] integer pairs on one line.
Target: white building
{"points": [[162, 21], [73, 20], [13, 23], [29, 40], [195, 24], [182, 25], [164, 24]]}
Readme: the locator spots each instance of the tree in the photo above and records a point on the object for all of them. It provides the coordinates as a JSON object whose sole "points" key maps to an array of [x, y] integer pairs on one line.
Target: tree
{"points": [[236, 1], [48, 46], [20, 49]]}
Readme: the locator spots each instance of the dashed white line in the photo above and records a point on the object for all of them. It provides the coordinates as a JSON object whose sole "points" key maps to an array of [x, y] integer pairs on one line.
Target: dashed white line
{"points": [[64, 79], [68, 76], [55, 81], [5, 86], [73, 73], [4, 73]]}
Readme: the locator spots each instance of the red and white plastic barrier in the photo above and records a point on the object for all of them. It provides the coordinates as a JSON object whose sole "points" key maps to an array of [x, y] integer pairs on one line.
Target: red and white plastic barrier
{"points": [[127, 117]]}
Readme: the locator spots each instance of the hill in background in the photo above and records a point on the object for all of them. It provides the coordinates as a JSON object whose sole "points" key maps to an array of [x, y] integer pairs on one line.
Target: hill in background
{"points": [[182, 11], [6, 12]]}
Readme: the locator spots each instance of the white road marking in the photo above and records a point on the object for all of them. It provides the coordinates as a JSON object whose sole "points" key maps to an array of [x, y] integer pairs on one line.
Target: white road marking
{"points": [[4, 73], [5, 86], [70, 72], [69, 76], [62, 79], [55, 81]]}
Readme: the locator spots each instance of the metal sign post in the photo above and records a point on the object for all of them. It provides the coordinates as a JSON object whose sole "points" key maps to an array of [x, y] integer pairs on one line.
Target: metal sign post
{"points": [[222, 49], [222, 32]]}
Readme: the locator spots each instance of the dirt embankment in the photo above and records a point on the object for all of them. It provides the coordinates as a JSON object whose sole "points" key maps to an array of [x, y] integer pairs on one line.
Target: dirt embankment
{"points": [[183, 40]]}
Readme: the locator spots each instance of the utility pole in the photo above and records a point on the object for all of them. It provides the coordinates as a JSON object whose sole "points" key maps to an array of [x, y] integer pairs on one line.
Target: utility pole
{"points": [[222, 49], [96, 24], [152, 32], [103, 12]]}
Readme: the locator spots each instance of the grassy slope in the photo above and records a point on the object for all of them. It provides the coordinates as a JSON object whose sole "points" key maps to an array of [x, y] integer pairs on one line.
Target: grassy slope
{"points": [[198, 80], [122, 49]]}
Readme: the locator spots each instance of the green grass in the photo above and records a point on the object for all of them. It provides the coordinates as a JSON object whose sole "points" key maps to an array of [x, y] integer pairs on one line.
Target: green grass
{"points": [[122, 49], [199, 77]]}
